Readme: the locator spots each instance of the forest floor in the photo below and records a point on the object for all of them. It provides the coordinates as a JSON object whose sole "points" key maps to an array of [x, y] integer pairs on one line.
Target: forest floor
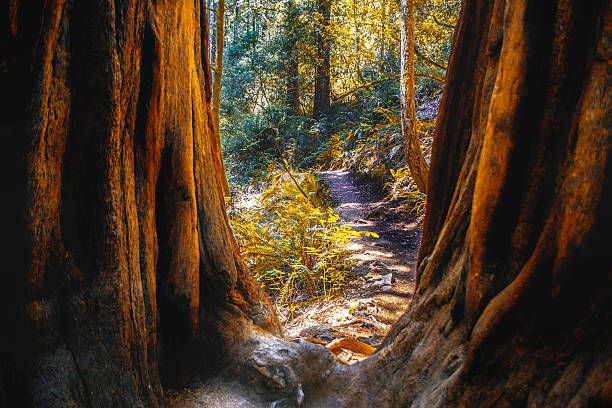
{"points": [[381, 284]]}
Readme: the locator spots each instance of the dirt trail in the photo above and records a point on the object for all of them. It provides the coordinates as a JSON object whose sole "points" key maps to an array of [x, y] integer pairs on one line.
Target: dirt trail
{"points": [[369, 306]]}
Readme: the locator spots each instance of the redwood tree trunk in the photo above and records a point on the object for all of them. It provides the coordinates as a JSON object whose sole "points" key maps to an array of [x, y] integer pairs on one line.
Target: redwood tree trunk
{"points": [[513, 305], [126, 266], [322, 89]]}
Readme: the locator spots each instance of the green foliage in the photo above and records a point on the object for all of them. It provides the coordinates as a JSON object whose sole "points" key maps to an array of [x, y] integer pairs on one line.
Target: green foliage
{"points": [[359, 131], [294, 245], [372, 144], [248, 142], [401, 185]]}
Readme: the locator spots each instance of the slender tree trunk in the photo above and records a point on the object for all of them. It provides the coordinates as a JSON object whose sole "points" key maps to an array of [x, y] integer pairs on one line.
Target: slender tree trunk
{"points": [[218, 69], [212, 18], [292, 57], [216, 91], [383, 26], [236, 21], [412, 146], [293, 85], [322, 90]]}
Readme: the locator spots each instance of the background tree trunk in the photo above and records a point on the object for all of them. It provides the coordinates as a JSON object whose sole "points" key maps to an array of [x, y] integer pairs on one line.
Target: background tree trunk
{"points": [[292, 57], [126, 266], [212, 30], [412, 145], [322, 90], [293, 84], [216, 91]]}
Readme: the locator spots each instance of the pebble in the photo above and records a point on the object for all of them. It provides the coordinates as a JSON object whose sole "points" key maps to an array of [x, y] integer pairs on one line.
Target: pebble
{"points": [[387, 279]]}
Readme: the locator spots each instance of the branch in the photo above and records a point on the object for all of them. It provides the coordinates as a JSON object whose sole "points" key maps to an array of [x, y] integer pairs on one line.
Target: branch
{"points": [[282, 159], [442, 24], [437, 78], [369, 84], [427, 59]]}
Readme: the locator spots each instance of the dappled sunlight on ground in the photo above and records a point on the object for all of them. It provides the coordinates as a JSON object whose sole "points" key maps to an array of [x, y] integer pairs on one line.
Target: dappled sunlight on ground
{"points": [[382, 283]]}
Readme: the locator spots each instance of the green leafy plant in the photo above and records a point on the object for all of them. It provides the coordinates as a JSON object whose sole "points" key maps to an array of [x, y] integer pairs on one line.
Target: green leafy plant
{"points": [[403, 186]]}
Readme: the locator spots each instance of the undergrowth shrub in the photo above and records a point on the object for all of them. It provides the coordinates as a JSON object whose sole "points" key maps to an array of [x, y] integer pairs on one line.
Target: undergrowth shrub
{"points": [[294, 244], [249, 142], [401, 185]]}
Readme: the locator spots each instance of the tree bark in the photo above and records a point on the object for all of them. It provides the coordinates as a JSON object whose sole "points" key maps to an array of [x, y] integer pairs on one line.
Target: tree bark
{"points": [[293, 85], [514, 272], [212, 22], [216, 91], [292, 73], [383, 39], [412, 145], [127, 271], [322, 89]]}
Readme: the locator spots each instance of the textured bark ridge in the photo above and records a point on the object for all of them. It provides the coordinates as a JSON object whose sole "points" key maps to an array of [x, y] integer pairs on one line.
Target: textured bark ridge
{"points": [[129, 269], [126, 269]]}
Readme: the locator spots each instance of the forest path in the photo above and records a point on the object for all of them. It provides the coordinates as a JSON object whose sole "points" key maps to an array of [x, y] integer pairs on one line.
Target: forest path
{"points": [[369, 305], [366, 310]]}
